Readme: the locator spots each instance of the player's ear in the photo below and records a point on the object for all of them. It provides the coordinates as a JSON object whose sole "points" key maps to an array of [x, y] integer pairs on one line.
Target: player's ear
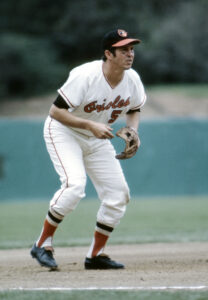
{"points": [[108, 54]]}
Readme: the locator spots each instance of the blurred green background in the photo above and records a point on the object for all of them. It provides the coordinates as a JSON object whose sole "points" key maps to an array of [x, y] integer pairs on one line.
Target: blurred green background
{"points": [[42, 39], [172, 160]]}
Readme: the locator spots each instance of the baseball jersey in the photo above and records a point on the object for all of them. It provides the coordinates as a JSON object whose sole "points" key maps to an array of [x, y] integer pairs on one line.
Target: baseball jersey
{"points": [[90, 96]]}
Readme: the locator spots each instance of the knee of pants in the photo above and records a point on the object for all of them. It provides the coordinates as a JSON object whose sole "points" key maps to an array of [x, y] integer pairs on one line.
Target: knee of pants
{"points": [[113, 208], [67, 198]]}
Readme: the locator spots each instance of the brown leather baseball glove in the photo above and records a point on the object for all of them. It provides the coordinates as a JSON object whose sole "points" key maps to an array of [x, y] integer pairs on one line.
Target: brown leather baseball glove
{"points": [[131, 138]]}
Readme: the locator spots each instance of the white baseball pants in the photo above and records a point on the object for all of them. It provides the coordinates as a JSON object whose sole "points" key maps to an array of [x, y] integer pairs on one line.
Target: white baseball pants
{"points": [[73, 155]]}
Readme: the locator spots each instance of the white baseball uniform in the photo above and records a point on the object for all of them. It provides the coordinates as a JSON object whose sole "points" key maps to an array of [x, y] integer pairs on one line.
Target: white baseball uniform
{"points": [[75, 152]]}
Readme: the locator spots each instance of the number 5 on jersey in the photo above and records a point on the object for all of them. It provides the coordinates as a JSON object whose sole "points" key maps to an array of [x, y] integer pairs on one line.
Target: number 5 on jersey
{"points": [[115, 114]]}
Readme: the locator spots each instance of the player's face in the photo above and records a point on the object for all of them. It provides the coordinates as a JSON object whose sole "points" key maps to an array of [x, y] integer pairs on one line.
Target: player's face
{"points": [[124, 57]]}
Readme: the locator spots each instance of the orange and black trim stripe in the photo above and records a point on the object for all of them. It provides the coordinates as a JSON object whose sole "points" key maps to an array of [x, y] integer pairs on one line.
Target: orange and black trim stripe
{"points": [[104, 227]]}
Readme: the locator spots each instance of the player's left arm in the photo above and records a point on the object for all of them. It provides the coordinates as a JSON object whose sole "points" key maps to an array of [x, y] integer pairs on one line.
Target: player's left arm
{"points": [[132, 120]]}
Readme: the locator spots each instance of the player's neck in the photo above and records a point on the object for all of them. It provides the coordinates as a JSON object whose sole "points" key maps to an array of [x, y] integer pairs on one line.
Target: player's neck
{"points": [[112, 75]]}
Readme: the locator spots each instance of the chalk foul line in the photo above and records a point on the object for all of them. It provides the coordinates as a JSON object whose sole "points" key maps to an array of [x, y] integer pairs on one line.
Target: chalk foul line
{"points": [[119, 288]]}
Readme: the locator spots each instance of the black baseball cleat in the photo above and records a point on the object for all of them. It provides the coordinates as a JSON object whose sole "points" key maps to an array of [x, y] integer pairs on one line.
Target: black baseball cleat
{"points": [[44, 257], [102, 262]]}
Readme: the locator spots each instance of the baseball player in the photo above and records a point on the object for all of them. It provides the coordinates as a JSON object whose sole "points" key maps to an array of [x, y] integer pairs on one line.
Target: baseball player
{"points": [[77, 133]]}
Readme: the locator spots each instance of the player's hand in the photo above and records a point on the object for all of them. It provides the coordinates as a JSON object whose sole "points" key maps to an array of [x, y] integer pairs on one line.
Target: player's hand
{"points": [[100, 130]]}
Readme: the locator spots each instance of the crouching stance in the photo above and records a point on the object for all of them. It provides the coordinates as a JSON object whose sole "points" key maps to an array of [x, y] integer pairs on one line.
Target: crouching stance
{"points": [[77, 133]]}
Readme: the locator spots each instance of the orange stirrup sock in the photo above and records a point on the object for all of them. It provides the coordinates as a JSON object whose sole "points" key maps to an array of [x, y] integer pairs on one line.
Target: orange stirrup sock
{"points": [[48, 231], [53, 219], [99, 242]]}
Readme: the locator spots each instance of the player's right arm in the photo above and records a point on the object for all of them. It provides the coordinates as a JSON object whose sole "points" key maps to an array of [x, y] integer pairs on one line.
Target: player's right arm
{"points": [[62, 115]]}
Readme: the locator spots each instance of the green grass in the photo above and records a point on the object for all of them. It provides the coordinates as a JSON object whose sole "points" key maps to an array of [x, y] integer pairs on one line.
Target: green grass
{"points": [[146, 220], [110, 295]]}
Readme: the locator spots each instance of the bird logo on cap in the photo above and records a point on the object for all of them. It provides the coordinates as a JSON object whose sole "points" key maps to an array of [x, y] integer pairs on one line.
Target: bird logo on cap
{"points": [[122, 33]]}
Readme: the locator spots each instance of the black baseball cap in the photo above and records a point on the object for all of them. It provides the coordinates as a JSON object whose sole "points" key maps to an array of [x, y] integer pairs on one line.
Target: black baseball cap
{"points": [[117, 38]]}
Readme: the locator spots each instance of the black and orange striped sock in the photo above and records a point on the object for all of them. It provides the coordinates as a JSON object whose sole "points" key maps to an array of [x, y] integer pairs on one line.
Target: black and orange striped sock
{"points": [[101, 235], [50, 225]]}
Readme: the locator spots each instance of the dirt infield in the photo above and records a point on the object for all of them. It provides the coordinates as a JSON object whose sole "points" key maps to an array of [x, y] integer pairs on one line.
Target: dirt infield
{"points": [[147, 265]]}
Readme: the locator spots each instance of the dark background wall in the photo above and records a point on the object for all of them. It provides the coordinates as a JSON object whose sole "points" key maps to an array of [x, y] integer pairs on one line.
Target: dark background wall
{"points": [[172, 160]]}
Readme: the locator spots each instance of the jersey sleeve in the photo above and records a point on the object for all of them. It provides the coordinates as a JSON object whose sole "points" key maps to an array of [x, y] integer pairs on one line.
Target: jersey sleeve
{"points": [[74, 89], [139, 95]]}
